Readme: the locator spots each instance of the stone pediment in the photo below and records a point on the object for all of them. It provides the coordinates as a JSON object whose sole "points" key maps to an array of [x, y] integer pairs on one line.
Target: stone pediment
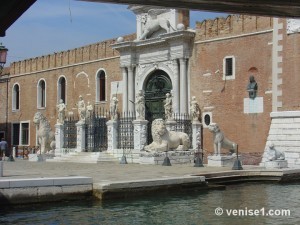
{"points": [[168, 46]]}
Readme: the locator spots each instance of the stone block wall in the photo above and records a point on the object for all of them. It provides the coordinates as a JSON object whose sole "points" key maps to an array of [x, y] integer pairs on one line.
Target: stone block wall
{"points": [[285, 135]]}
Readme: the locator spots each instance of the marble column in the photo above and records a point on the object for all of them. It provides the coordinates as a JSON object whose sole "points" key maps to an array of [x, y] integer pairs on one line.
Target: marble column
{"points": [[176, 87], [59, 139], [125, 89], [112, 135], [183, 86], [140, 134], [131, 88], [80, 136]]}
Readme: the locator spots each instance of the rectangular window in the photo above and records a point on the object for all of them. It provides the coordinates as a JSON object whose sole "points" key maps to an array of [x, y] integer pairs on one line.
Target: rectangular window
{"points": [[228, 67], [24, 133]]}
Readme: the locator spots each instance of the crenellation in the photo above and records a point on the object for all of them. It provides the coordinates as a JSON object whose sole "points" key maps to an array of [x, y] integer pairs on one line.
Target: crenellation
{"points": [[65, 57], [72, 56], [232, 25]]}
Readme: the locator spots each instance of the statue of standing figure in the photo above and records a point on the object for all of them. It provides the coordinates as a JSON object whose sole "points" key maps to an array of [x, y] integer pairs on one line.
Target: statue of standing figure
{"points": [[195, 109], [252, 87], [140, 105], [168, 107], [89, 110], [114, 108], [81, 109], [61, 112]]}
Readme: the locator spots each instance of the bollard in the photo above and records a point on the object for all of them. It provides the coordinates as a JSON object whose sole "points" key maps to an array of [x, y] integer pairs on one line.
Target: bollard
{"points": [[1, 168]]}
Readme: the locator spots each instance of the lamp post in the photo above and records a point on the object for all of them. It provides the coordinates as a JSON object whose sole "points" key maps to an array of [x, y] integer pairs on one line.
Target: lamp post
{"points": [[3, 55]]}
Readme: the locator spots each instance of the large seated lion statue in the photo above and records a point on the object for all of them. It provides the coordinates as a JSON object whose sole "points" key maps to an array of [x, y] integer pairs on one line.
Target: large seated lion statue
{"points": [[220, 141], [45, 136], [164, 140]]}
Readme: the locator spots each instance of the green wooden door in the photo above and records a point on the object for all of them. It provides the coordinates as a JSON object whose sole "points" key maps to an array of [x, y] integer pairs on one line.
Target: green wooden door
{"points": [[156, 88]]}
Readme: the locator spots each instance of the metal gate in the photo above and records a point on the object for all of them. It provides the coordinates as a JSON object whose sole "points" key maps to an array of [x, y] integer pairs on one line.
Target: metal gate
{"points": [[70, 133], [125, 128], [96, 131]]}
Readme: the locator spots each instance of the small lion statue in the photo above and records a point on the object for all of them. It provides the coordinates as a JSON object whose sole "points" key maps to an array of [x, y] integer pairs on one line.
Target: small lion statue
{"points": [[45, 136], [164, 140], [220, 141]]}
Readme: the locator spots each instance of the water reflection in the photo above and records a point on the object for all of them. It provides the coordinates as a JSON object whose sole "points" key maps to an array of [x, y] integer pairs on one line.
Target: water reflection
{"points": [[193, 208]]}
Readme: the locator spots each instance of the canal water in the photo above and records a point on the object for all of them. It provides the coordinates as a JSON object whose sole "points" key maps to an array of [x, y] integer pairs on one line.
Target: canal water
{"points": [[251, 203]]}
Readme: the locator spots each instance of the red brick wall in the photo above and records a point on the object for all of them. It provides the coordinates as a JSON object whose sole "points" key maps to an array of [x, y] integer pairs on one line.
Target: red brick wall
{"points": [[248, 130], [290, 70]]}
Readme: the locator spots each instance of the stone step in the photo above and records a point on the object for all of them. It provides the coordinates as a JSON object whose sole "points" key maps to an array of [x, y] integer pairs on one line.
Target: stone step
{"points": [[85, 157]]}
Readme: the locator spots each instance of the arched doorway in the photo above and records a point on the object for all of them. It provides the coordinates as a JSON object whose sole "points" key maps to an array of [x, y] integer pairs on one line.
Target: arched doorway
{"points": [[156, 87]]}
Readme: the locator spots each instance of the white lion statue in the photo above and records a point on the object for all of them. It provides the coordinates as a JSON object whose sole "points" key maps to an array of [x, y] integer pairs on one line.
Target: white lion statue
{"points": [[45, 136], [164, 140], [220, 141], [154, 24]]}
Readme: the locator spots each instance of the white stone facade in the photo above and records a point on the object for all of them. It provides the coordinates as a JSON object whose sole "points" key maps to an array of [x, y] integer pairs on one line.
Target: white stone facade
{"points": [[284, 134]]}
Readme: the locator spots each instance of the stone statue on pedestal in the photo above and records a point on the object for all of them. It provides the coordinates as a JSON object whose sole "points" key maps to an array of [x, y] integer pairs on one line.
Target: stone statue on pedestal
{"points": [[89, 110], [114, 108], [168, 107], [140, 105], [220, 141], [81, 109], [272, 154], [61, 112], [195, 109], [164, 140]]}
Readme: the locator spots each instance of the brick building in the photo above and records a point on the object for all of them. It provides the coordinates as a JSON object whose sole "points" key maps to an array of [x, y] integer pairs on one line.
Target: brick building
{"points": [[217, 59]]}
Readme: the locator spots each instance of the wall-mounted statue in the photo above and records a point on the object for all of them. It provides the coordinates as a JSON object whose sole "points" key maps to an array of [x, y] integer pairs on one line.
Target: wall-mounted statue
{"points": [[195, 109], [168, 105], [164, 140], [252, 87], [61, 107], [81, 109], [114, 108], [153, 24], [140, 105], [45, 136], [220, 141]]}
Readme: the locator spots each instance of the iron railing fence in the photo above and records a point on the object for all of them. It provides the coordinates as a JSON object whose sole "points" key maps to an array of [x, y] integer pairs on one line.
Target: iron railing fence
{"points": [[126, 128], [96, 130]]}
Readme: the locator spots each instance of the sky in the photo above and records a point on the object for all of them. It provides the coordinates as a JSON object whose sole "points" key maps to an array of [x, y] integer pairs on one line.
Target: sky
{"points": [[50, 26]]}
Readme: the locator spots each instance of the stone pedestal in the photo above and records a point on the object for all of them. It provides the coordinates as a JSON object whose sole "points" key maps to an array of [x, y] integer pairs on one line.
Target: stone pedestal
{"points": [[276, 164], [170, 125], [176, 157], [112, 135], [196, 142], [220, 161], [80, 136], [140, 134], [59, 139]]}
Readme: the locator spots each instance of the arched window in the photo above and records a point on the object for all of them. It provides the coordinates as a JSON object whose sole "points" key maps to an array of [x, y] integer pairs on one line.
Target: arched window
{"points": [[16, 97], [41, 94], [61, 92], [101, 86]]}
